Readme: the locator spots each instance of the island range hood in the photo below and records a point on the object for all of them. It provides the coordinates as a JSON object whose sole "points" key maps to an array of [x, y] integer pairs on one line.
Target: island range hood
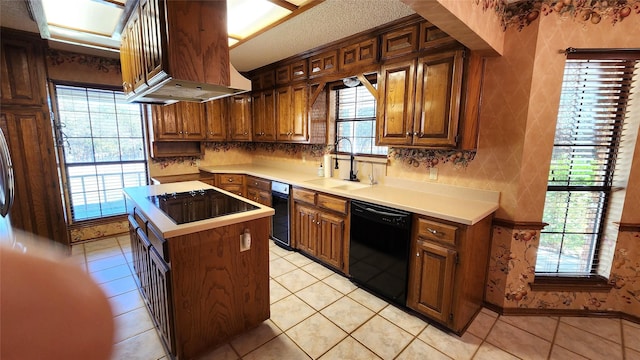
{"points": [[178, 51]]}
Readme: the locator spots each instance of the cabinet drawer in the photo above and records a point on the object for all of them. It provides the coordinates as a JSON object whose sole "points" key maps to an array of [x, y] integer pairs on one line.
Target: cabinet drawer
{"points": [[141, 220], [332, 203], [258, 183], [159, 243], [303, 195], [237, 189], [224, 179], [437, 231]]}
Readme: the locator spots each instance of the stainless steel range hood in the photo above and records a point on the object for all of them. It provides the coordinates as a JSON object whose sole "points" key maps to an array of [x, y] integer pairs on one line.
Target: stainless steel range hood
{"points": [[173, 90]]}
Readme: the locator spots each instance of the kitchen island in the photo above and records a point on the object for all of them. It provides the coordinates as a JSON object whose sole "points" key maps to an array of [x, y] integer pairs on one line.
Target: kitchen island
{"points": [[201, 259]]}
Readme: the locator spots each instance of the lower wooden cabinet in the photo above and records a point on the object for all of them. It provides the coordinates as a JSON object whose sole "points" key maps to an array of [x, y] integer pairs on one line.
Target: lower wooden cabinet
{"points": [[233, 183], [447, 270], [321, 226], [259, 190]]}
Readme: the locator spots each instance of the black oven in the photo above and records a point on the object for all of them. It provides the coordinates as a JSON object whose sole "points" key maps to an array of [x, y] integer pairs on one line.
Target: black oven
{"points": [[379, 250], [280, 220]]}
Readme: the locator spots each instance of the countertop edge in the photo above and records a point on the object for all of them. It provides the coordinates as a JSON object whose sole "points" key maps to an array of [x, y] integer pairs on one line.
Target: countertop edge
{"points": [[486, 208]]}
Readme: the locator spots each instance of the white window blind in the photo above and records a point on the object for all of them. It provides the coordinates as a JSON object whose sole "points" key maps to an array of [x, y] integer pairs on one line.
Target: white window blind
{"points": [[103, 150], [356, 121], [593, 102]]}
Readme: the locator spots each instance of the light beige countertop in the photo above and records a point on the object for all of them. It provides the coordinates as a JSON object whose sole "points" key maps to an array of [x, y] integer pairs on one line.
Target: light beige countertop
{"points": [[168, 228], [458, 204]]}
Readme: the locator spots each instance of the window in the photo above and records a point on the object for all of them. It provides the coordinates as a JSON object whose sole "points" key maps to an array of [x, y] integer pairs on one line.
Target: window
{"points": [[356, 121], [102, 149], [593, 102]]}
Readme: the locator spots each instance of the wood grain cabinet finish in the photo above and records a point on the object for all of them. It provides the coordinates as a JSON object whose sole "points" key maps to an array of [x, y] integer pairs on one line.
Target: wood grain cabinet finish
{"points": [[359, 54], [321, 226], [179, 121], [292, 115], [240, 118], [170, 39], [24, 119], [399, 42], [263, 113], [431, 37], [217, 119], [259, 190], [263, 80], [196, 300], [323, 64], [447, 270], [420, 103], [21, 82], [288, 73], [233, 183]]}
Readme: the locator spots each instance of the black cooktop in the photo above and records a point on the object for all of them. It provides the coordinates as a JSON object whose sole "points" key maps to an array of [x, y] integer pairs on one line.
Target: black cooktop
{"points": [[186, 207]]}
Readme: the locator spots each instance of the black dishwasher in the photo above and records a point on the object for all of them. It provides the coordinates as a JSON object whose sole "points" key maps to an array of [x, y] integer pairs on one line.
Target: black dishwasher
{"points": [[379, 250]]}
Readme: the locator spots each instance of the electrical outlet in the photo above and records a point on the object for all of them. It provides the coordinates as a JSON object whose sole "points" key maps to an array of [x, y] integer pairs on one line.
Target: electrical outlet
{"points": [[245, 240], [433, 173]]}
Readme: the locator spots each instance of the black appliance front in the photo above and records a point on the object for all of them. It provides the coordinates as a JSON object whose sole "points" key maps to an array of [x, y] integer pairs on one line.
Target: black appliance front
{"points": [[379, 250], [280, 220]]}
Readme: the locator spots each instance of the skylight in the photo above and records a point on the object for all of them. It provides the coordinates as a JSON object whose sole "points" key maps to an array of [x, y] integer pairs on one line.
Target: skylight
{"points": [[98, 22]]}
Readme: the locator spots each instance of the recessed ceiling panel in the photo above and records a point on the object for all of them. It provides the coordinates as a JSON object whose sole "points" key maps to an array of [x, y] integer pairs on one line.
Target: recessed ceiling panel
{"points": [[94, 17]]}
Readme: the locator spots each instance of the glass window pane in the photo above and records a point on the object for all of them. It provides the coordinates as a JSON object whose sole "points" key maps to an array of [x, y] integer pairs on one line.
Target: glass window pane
{"points": [[103, 150]]}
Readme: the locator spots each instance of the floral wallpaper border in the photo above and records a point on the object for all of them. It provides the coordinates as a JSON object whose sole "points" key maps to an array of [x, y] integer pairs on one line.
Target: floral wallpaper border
{"points": [[414, 157], [106, 65], [590, 12]]}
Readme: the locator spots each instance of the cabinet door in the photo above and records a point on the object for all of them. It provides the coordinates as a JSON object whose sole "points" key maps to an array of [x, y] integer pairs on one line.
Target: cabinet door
{"points": [[125, 63], [284, 113], [21, 83], [300, 119], [143, 261], [438, 92], [134, 31], [330, 239], [264, 116], [395, 107], [240, 118], [37, 207], [305, 229], [216, 119], [430, 289], [152, 21], [167, 125], [160, 297], [193, 120]]}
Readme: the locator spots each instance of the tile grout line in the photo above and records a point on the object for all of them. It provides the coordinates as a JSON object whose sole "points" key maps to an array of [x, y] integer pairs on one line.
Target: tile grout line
{"points": [[553, 338]]}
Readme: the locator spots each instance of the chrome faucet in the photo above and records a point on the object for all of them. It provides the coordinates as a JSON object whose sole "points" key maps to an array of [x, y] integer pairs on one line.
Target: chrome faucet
{"points": [[352, 174]]}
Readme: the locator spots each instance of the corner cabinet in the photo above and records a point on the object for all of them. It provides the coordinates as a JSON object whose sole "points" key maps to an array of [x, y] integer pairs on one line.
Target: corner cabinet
{"points": [[447, 270], [420, 101], [321, 226]]}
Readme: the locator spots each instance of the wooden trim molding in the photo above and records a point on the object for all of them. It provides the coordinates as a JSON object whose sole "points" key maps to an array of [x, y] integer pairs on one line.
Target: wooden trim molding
{"points": [[560, 312], [628, 227], [591, 283], [516, 225]]}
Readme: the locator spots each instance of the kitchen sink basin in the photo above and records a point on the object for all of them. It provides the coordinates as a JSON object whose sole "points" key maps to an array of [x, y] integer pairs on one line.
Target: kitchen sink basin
{"points": [[337, 184]]}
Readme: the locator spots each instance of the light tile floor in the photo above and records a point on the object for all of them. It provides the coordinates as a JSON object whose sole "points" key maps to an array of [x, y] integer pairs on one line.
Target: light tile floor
{"points": [[318, 314]]}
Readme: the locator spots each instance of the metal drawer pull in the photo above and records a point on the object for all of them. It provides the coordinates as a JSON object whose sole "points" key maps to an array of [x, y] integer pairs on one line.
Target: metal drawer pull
{"points": [[434, 232]]}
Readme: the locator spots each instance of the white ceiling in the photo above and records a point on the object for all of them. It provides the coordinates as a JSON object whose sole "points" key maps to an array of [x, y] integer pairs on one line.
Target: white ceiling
{"points": [[329, 21]]}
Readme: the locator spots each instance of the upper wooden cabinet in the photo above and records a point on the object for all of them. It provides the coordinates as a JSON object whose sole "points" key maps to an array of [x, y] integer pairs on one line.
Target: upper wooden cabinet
{"points": [[217, 119], [180, 121], [169, 48], [291, 72], [399, 42], [323, 64], [22, 84], [421, 109], [263, 113], [360, 54], [263, 80], [292, 116], [240, 118]]}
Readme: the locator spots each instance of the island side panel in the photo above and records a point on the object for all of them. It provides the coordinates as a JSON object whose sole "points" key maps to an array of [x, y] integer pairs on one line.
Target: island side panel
{"points": [[218, 290]]}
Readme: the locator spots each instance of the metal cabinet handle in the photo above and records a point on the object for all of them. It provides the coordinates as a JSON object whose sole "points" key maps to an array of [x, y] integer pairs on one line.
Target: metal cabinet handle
{"points": [[408, 133], [434, 232], [418, 254], [230, 180]]}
